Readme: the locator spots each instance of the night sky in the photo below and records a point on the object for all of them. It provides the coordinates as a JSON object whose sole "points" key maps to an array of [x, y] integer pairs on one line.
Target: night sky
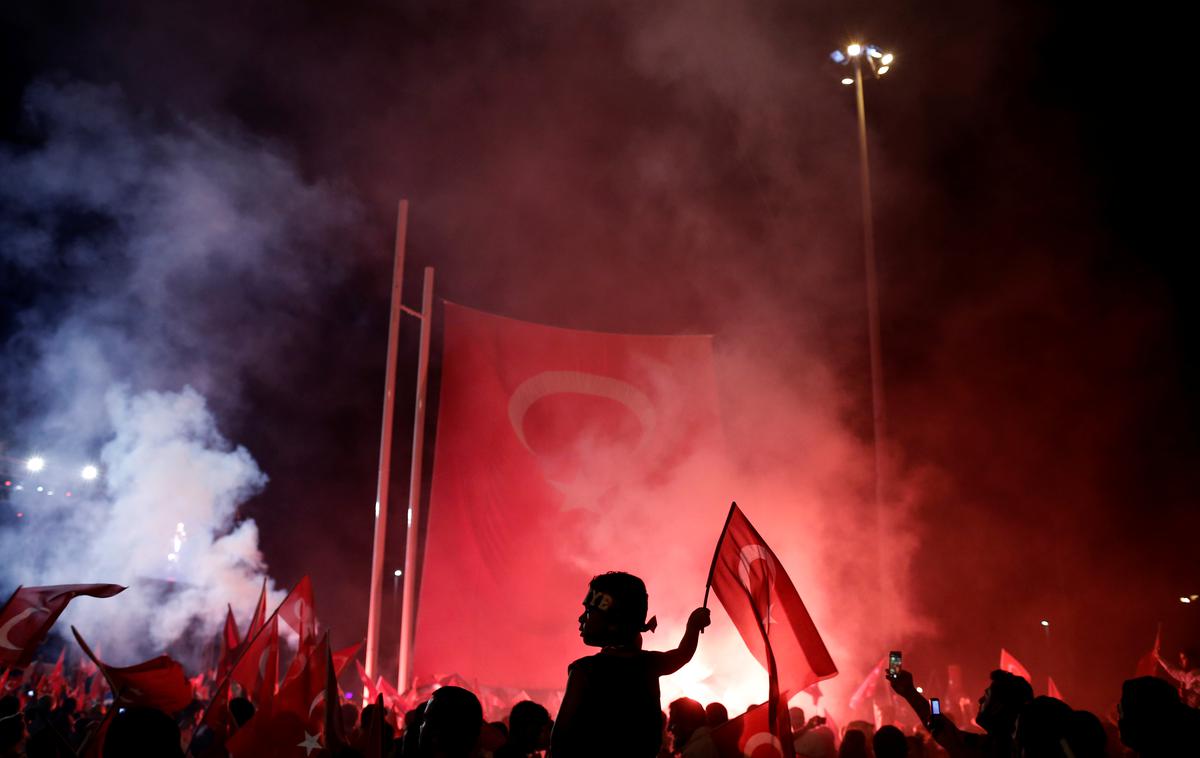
{"points": [[679, 167]]}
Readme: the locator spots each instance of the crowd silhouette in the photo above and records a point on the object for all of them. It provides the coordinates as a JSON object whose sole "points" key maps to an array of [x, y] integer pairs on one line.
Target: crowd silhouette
{"points": [[611, 707]]}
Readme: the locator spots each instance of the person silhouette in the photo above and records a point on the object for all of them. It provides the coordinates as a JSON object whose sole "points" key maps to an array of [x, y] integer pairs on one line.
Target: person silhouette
{"points": [[611, 705]]}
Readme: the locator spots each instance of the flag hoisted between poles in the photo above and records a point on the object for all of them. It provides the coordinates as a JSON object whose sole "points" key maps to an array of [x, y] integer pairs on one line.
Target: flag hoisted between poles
{"points": [[548, 441]]}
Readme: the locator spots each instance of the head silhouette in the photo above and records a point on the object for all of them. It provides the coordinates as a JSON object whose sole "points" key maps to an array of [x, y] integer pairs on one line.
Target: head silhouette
{"points": [[453, 720], [716, 714], [889, 742], [1042, 724], [529, 726], [614, 610], [684, 717], [1149, 715], [142, 731], [1001, 701]]}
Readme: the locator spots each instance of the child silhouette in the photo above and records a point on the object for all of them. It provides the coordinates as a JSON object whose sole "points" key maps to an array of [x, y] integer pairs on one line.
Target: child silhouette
{"points": [[611, 706]]}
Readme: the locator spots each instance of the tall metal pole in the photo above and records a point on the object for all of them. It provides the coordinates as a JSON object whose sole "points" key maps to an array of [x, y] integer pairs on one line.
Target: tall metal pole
{"points": [[385, 448], [879, 418], [413, 529]]}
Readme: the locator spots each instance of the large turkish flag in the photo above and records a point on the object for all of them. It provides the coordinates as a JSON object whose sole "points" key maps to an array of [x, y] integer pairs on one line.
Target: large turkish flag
{"points": [[554, 450]]}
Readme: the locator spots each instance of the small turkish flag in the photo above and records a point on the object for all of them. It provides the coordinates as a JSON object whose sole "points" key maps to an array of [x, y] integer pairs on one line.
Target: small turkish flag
{"points": [[230, 642], [28, 615], [1010, 664], [766, 609], [1052, 689], [296, 724], [157, 683], [1147, 665], [750, 735]]}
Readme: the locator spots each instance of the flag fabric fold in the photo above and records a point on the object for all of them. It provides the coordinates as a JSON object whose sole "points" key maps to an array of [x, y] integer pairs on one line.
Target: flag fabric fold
{"points": [[1147, 665], [157, 683], [544, 437], [771, 618], [27, 617], [1009, 663], [765, 607]]}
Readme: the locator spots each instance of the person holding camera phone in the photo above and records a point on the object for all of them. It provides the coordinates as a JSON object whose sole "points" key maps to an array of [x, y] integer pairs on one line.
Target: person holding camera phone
{"points": [[998, 709]]}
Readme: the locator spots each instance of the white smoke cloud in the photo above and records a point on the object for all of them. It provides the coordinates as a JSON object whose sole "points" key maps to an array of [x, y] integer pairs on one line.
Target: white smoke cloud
{"points": [[166, 259]]}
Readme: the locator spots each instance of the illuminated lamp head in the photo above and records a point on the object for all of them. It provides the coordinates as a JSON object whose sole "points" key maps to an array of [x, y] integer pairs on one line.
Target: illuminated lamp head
{"points": [[614, 611]]}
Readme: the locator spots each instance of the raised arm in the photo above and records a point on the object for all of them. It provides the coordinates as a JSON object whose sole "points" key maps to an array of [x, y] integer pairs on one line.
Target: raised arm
{"points": [[673, 660], [945, 734]]}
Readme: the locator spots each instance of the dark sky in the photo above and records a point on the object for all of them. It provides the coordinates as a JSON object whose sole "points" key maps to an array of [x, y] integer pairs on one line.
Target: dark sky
{"points": [[691, 167]]}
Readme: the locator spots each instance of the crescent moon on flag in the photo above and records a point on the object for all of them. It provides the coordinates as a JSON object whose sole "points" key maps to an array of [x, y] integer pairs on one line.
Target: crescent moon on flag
{"points": [[581, 383], [746, 559], [8, 626], [316, 701], [759, 740]]}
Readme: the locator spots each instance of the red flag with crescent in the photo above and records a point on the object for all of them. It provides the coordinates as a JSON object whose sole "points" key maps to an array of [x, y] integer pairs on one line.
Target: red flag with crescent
{"points": [[548, 443], [296, 724], [29, 614], [766, 608], [750, 736]]}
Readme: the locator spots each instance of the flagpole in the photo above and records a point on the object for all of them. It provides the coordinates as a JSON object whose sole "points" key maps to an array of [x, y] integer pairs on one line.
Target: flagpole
{"points": [[385, 445], [413, 526], [717, 552]]}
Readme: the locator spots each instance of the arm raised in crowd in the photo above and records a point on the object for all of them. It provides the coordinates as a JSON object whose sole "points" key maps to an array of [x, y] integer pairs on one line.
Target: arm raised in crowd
{"points": [[673, 660], [943, 732]]}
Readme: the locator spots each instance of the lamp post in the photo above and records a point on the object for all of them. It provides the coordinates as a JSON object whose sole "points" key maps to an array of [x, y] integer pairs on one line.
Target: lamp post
{"points": [[866, 59]]}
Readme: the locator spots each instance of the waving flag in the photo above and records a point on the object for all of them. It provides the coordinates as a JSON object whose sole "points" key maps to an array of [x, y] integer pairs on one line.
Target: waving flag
{"points": [[765, 607], [771, 618], [545, 438], [1147, 665], [28, 615], [750, 736], [230, 642], [157, 683], [295, 726], [1009, 663], [1052, 689]]}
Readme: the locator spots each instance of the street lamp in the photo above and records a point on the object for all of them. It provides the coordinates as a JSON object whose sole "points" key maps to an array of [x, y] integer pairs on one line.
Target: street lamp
{"points": [[878, 63], [35, 463]]}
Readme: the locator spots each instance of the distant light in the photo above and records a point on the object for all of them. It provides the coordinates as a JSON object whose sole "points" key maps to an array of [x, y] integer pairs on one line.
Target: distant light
{"points": [[349, 695], [854, 49], [49, 492], [89, 472], [1182, 599], [19, 487], [1194, 597], [8, 482], [887, 59], [67, 493], [1045, 623], [847, 80], [838, 56], [40, 488], [397, 572], [36, 463], [884, 69], [874, 52], [921, 690], [20, 514]]}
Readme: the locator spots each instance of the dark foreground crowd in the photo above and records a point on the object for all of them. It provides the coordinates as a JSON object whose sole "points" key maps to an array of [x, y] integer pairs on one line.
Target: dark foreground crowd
{"points": [[611, 709]]}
